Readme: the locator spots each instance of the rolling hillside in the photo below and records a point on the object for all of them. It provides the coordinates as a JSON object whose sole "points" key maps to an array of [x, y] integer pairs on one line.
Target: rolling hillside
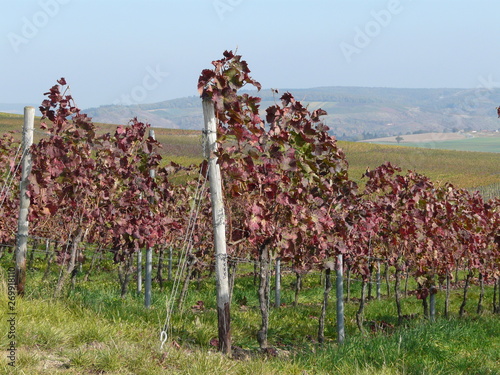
{"points": [[354, 113]]}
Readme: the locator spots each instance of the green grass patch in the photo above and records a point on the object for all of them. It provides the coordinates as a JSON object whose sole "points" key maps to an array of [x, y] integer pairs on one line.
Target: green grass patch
{"points": [[92, 330], [477, 144]]}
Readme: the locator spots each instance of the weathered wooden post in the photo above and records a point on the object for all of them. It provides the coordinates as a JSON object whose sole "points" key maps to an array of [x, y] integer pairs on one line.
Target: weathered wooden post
{"points": [[219, 223], [432, 312], [277, 294], [329, 267], [22, 224], [379, 294], [149, 250], [147, 278], [170, 263], [340, 300], [139, 271], [47, 248]]}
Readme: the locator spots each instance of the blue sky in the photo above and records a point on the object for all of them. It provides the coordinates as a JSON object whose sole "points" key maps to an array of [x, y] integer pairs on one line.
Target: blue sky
{"points": [[132, 51]]}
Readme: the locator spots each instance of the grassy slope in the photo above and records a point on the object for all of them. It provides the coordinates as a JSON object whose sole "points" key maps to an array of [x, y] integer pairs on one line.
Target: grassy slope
{"points": [[93, 331], [10, 122], [181, 146], [463, 169]]}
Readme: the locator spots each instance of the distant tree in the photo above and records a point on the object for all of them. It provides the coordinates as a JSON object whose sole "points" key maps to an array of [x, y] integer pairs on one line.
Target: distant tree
{"points": [[399, 139]]}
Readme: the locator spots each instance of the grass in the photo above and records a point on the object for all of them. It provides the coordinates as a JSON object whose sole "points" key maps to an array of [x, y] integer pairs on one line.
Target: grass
{"points": [[94, 331], [478, 144], [446, 347]]}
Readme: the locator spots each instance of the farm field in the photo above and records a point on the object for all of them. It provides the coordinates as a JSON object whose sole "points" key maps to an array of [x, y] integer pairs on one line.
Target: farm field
{"points": [[478, 142], [182, 146], [92, 330], [463, 169]]}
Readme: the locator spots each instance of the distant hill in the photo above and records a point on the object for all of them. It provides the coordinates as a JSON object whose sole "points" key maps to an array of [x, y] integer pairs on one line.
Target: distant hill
{"points": [[364, 113], [183, 113], [354, 113], [16, 108]]}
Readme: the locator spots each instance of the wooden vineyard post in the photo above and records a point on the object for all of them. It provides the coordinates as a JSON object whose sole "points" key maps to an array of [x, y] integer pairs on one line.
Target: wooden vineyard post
{"points": [[139, 271], [170, 263], [496, 299], [47, 248], [432, 314], [149, 251], [23, 225], [378, 281], [219, 224], [147, 278], [277, 300], [329, 267], [340, 300]]}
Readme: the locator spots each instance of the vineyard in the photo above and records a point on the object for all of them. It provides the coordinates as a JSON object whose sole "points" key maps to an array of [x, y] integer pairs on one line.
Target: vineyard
{"points": [[472, 171], [407, 251]]}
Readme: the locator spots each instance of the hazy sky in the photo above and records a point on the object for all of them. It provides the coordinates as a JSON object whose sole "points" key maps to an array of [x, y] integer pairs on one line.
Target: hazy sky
{"points": [[132, 51]]}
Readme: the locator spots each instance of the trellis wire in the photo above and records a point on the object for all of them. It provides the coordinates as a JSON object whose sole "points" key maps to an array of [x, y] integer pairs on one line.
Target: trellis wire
{"points": [[180, 261], [186, 249], [11, 175]]}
